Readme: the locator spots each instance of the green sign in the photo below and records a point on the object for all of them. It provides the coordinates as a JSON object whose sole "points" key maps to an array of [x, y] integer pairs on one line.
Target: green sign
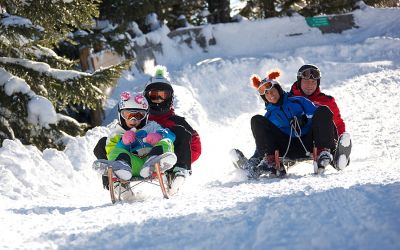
{"points": [[317, 21]]}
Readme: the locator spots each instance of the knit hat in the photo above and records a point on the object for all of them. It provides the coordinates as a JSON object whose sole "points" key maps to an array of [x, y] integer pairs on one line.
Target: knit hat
{"points": [[159, 81], [256, 83]]}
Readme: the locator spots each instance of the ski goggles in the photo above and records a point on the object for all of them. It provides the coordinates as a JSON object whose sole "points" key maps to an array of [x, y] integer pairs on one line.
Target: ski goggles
{"points": [[265, 85], [159, 94], [133, 115], [310, 74]]}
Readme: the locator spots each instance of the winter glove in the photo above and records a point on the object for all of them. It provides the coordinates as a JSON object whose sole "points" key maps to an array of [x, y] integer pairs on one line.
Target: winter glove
{"points": [[153, 138], [300, 121], [128, 137]]}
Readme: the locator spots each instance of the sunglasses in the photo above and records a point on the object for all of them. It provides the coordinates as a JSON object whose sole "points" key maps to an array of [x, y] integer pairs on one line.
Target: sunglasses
{"points": [[265, 86], [159, 94], [310, 74], [133, 115]]}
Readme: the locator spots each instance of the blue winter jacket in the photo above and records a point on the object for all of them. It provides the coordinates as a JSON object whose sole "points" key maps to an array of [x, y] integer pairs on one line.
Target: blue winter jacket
{"points": [[281, 114]]}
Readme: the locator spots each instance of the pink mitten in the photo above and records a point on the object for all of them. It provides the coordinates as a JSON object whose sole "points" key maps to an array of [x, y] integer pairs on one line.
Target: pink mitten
{"points": [[128, 137], [153, 138]]}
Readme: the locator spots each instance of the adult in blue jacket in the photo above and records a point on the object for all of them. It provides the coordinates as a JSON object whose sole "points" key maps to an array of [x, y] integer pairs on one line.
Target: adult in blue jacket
{"points": [[292, 124]]}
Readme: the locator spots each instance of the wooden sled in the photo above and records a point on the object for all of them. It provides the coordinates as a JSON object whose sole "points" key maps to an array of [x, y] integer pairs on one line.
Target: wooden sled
{"points": [[117, 186], [287, 163]]}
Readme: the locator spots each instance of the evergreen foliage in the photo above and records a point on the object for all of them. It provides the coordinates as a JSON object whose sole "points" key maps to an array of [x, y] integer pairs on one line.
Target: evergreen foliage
{"points": [[383, 3], [191, 10], [29, 29], [256, 9], [219, 11], [169, 11], [116, 38], [124, 11], [57, 18], [317, 7]]}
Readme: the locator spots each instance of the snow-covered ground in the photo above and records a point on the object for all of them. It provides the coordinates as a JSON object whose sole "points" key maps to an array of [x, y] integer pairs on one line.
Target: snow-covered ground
{"points": [[54, 200]]}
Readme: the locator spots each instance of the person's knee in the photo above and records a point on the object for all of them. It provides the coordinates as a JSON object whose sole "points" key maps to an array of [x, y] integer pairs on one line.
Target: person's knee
{"points": [[260, 122], [100, 149], [323, 112], [257, 120], [124, 157]]}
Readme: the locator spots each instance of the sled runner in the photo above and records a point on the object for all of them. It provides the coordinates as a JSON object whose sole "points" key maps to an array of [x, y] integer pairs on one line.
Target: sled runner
{"points": [[120, 187], [288, 163], [341, 159], [282, 164]]}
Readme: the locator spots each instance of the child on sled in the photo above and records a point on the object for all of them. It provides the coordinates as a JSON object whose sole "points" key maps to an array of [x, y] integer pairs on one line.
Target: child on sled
{"points": [[136, 144]]}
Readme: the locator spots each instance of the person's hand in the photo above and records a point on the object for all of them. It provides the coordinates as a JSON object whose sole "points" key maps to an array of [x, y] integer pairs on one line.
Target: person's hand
{"points": [[128, 137], [153, 138], [299, 121]]}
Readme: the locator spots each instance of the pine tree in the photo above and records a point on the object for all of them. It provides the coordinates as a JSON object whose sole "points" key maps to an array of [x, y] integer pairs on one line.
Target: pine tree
{"points": [[32, 76], [318, 7], [219, 11], [123, 12], [256, 9], [191, 10]]}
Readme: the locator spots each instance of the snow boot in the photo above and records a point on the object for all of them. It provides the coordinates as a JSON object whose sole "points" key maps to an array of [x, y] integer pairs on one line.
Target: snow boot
{"points": [[124, 192], [179, 175], [341, 158], [121, 169], [267, 168], [238, 158], [241, 162], [166, 160], [324, 158]]}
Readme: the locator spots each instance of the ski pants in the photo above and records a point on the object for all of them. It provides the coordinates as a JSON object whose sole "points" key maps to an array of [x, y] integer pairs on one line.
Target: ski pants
{"points": [[136, 162], [269, 138]]}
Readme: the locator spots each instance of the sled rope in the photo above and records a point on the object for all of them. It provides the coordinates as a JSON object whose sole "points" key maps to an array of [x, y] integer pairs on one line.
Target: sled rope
{"points": [[293, 128]]}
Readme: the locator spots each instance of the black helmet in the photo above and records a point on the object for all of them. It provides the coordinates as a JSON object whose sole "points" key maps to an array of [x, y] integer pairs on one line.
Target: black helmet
{"points": [[314, 69], [157, 83]]}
